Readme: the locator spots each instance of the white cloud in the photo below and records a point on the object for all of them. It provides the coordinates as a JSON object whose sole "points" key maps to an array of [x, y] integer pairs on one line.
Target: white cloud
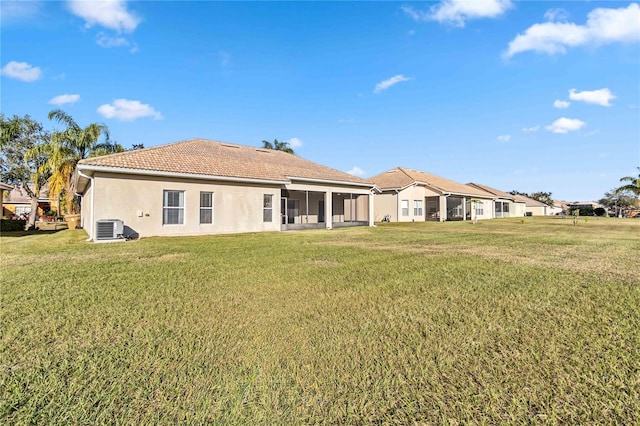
{"points": [[457, 12], [531, 129], [599, 97], [124, 109], [565, 125], [21, 71], [603, 26], [356, 171], [112, 14], [384, 85], [64, 99], [557, 14], [108, 42], [13, 11], [295, 143], [561, 104], [504, 138]]}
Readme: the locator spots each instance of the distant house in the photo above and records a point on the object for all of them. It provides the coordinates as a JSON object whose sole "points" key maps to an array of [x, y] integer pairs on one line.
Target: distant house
{"points": [[201, 186], [412, 196], [16, 202], [4, 188], [504, 204], [534, 207]]}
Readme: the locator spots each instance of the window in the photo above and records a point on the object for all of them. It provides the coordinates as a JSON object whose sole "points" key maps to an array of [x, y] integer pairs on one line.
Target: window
{"points": [[405, 207], [417, 208], [267, 208], [206, 207], [505, 207], [479, 209], [23, 210], [173, 208]]}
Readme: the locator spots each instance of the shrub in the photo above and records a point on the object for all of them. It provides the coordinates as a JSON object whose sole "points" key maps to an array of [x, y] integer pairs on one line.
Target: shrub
{"points": [[7, 225], [600, 211]]}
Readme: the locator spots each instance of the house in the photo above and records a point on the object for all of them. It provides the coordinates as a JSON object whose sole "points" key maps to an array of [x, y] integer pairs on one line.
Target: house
{"points": [[4, 188], [504, 204], [17, 203], [410, 195], [533, 207], [201, 186]]}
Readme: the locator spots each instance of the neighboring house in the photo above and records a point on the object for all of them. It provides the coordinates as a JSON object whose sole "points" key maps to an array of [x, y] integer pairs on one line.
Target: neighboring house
{"points": [[4, 188], [586, 205], [200, 186], [504, 204], [17, 203], [410, 195], [533, 207], [556, 209]]}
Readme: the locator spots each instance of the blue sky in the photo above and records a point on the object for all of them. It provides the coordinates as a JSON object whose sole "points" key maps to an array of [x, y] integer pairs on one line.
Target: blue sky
{"points": [[529, 95]]}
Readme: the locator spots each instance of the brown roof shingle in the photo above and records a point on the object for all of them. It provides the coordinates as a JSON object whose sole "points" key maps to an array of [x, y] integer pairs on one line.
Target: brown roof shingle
{"points": [[493, 191], [401, 177], [212, 158]]}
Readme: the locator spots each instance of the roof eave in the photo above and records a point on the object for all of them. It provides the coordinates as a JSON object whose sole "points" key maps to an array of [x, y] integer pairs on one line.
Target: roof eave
{"points": [[331, 181], [122, 170]]}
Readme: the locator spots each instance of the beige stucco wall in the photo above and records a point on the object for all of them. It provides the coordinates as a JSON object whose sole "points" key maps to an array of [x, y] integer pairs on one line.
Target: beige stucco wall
{"points": [[518, 209], [138, 201], [385, 204], [537, 211], [487, 209], [85, 211]]}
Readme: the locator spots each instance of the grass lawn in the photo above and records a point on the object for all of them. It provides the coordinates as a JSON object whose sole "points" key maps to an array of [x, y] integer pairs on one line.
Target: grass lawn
{"points": [[446, 323]]}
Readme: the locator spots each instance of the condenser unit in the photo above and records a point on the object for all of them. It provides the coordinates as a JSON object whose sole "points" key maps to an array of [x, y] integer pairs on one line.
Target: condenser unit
{"points": [[109, 229]]}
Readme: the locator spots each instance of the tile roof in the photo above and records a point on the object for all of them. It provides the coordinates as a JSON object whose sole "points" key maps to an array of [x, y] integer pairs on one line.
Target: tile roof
{"points": [[530, 202], [17, 195], [493, 191], [212, 158], [401, 177]]}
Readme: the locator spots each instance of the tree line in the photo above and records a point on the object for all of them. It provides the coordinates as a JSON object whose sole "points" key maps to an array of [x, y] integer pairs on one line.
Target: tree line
{"points": [[32, 157]]}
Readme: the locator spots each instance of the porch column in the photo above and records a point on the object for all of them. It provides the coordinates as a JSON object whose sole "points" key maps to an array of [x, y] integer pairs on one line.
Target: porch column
{"points": [[328, 209], [464, 208], [443, 208], [371, 218]]}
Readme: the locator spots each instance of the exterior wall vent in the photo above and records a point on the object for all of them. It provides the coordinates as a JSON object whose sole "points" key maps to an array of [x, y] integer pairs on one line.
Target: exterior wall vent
{"points": [[109, 229]]}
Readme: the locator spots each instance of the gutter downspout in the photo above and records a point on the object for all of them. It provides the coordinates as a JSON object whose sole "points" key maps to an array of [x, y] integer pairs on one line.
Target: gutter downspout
{"points": [[92, 203]]}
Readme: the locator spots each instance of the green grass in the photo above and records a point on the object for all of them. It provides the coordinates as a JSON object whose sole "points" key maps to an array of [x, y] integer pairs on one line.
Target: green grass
{"points": [[452, 323]]}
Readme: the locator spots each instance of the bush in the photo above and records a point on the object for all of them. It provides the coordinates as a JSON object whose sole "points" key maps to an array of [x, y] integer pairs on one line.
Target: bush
{"points": [[600, 211], [7, 225]]}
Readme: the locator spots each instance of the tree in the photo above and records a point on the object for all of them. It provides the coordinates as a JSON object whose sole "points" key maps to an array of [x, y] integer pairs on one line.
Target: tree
{"points": [[543, 197], [278, 146], [19, 136], [632, 187], [66, 148], [617, 199]]}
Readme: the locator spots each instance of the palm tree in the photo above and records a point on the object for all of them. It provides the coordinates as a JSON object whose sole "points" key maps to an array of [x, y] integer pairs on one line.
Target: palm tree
{"points": [[633, 186], [66, 148], [278, 146]]}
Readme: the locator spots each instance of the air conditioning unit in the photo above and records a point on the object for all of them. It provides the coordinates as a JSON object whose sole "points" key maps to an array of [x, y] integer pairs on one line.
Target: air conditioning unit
{"points": [[109, 229]]}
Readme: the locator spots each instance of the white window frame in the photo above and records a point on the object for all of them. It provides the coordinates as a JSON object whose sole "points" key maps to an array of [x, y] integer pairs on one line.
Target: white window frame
{"points": [[479, 209], [404, 206], [267, 208], [206, 208], [166, 208], [417, 208]]}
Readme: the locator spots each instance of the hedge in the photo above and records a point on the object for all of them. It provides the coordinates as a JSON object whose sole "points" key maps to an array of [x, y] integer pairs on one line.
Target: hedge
{"points": [[8, 225]]}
